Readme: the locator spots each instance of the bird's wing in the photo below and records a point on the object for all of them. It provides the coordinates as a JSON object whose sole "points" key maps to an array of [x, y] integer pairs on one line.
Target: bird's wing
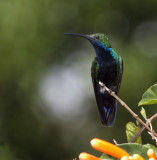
{"points": [[94, 70], [107, 105], [119, 72]]}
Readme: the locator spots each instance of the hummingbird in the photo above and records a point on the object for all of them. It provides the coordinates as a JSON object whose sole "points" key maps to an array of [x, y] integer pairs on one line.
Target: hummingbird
{"points": [[107, 67]]}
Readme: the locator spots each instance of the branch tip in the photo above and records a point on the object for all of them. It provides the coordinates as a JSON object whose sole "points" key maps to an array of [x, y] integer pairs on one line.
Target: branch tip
{"points": [[144, 125]]}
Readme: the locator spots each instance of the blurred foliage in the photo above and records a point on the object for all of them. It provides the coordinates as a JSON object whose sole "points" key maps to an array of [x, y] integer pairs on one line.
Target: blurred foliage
{"points": [[32, 41], [6, 153]]}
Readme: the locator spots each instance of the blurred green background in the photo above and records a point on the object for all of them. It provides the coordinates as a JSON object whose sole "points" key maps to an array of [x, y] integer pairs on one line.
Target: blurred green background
{"points": [[47, 105]]}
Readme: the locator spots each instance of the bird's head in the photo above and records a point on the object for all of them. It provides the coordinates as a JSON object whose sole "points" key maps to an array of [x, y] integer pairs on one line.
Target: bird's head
{"points": [[96, 39]]}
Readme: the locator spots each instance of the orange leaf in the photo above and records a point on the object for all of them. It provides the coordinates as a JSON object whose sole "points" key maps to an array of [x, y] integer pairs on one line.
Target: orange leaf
{"points": [[87, 156], [151, 154], [108, 148], [137, 157], [125, 158]]}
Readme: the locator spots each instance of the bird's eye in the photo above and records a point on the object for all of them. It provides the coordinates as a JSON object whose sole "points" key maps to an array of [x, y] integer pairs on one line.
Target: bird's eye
{"points": [[97, 37]]}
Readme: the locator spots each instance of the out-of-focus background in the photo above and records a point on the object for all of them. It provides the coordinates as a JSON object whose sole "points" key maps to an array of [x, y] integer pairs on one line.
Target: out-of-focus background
{"points": [[47, 105]]}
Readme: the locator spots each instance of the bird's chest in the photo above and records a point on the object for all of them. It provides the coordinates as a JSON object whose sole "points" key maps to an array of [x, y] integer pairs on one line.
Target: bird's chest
{"points": [[108, 73]]}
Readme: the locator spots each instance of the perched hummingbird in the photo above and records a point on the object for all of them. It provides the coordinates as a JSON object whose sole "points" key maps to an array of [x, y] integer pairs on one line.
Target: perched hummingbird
{"points": [[107, 68]]}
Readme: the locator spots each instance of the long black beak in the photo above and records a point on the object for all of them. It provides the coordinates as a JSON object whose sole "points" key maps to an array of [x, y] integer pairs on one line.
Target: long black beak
{"points": [[80, 35]]}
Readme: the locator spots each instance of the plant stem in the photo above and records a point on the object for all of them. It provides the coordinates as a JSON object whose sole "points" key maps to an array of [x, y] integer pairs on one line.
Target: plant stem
{"points": [[138, 134], [150, 120], [128, 108]]}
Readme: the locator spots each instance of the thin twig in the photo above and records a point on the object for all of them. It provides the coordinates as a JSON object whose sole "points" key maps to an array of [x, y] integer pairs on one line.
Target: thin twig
{"points": [[150, 120], [151, 127], [128, 108], [137, 135], [115, 142]]}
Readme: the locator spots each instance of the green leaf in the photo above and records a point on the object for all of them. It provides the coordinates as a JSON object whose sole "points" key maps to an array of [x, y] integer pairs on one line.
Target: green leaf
{"points": [[131, 131], [131, 148], [143, 113], [150, 96], [138, 123]]}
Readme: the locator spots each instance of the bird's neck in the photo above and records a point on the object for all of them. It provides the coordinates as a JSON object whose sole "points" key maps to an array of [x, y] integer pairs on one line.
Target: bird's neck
{"points": [[104, 55]]}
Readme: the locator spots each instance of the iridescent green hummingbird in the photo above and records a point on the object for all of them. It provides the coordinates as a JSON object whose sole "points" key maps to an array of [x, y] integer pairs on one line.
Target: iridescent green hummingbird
{"points": [[107, 68]]}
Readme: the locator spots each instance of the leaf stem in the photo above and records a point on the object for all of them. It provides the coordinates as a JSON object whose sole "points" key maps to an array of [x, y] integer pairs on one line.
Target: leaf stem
{"points": [[128, 108], [150, 120]]}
